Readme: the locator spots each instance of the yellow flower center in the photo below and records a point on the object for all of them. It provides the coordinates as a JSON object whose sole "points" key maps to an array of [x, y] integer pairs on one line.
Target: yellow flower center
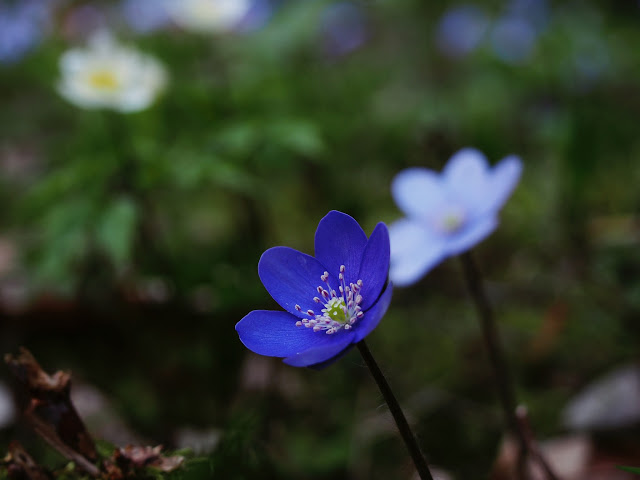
{"points": [[103, 80]]}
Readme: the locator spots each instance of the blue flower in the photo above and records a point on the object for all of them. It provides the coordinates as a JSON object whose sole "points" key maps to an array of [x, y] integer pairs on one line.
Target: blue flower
{"points": [[513, 39], [446, 213], [344, 28], [332, 300], [461, 29], [257, 16], [145, 16], [22, 26], [515, 33]]}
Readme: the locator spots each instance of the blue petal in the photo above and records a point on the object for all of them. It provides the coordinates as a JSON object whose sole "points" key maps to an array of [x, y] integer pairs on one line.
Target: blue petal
{"points": [[291, 278], [467, 179], [333, 345], [414, 251], [275, 334], [339, 241], [373, 316], [417, 191], [374, 268], [335, 358], [503, 180], [471, 234]]}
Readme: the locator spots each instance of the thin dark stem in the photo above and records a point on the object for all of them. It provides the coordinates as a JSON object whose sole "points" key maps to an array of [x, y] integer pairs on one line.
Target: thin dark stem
{"points": [[523, 421], [499, 365], [492, 341], [394, 407]]}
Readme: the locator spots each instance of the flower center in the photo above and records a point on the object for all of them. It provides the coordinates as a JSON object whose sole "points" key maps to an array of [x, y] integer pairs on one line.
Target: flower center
{"points": [[451, 219], [340, 311], [103, 80]]}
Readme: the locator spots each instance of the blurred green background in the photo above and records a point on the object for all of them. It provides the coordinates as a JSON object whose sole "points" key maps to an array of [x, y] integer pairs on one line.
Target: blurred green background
{"points": [[129, 242]]}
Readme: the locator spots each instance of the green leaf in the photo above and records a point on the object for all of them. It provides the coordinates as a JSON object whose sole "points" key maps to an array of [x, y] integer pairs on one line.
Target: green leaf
{"points": [[239, 139], [115, 231], [630, 469], [63, 242], [297, 135]]}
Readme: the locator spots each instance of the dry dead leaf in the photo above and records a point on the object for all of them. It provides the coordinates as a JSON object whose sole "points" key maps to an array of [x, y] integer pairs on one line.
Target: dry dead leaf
{"points": [[48, 408]]}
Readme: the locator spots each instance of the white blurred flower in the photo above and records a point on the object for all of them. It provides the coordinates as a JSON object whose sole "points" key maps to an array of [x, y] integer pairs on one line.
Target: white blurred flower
{"points": [[109, 75], [208, 16]]}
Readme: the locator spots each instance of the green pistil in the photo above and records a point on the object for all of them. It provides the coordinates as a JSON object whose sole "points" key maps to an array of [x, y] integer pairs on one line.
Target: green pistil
{"points": [[334, 309], [452, 222]]}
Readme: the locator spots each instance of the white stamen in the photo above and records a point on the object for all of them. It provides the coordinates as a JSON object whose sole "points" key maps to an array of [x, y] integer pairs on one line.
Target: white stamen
{"points": [[340, 311]]}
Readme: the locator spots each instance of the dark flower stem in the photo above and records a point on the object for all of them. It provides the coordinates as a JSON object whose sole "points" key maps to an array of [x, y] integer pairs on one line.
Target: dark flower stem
{"points": [[405, 431], [525, 426], [500, 369]]}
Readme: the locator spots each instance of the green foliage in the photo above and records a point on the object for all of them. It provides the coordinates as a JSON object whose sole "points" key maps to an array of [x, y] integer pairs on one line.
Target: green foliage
{"points": [[115, 231], [630, 469], [240, 455]]}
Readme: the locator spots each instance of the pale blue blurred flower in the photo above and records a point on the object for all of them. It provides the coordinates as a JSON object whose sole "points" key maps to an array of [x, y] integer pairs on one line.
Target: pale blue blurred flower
{"points": [[460, 30], [22, 26], [447, 213], [512, 36], [513, 39], [145, 16], [591, 56], [536, 12], [343, 27], [257, 16], [515, 33]]}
